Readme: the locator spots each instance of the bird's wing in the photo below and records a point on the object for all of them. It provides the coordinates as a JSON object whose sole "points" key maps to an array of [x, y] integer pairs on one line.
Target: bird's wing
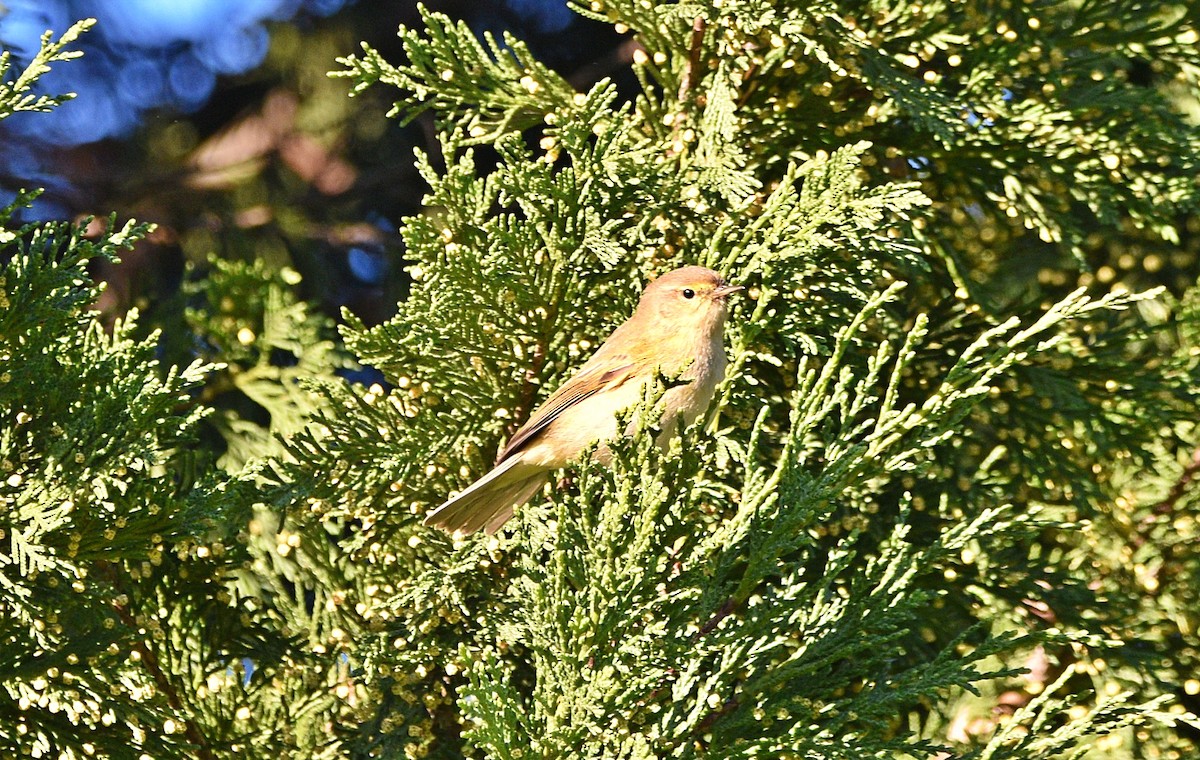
{"points": [[586, 383]]}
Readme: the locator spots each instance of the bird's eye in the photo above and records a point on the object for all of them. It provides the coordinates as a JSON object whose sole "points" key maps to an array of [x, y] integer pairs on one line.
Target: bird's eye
{"points": [[689, 293]]}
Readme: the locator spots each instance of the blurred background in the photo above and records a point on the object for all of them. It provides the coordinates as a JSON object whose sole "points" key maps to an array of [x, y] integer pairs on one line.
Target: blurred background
{"points": [[216, 120]]}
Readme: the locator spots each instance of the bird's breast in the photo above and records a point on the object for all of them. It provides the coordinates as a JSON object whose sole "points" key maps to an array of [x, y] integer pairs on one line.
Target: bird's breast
{"points": [[705, 373]]}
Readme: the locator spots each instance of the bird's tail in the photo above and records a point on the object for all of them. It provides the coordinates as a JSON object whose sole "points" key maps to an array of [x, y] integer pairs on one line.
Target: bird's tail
{"points": [[488, 503]]}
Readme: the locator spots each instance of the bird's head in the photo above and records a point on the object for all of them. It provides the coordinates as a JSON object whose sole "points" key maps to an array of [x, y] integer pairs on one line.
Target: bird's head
{"points": [[689, 298]]}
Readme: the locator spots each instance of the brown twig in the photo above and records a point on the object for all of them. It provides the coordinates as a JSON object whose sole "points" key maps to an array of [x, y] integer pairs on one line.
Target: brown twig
{"points": [[529, 388], [1167, 505], [722, 612], [707, 721], [750, 88], [690, 74]]}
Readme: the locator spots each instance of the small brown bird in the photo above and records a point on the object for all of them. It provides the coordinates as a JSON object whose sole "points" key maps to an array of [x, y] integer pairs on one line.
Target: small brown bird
{"points": [[677, 328]]}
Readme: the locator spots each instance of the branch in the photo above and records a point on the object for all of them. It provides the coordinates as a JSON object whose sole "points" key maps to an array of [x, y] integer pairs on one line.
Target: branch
{"points": [[1169, 502], [529, 387], [1167, 505], [149, 661], [690, 73]]}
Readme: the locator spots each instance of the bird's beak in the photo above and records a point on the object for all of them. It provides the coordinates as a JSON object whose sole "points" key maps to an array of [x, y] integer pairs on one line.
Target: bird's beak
{"points": [[727, 290]]}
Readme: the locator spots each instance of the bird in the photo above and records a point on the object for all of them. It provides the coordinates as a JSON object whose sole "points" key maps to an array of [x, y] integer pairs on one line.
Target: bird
{"points": [[676, 330]]}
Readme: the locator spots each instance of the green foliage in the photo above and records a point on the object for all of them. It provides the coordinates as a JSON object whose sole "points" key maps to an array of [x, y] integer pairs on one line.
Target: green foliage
{"points": [[751, 637], [16, 92], [450, 70], [884, 515], [136, 586], [139, 614], [249, 317], [97, 487], [943, 505]]}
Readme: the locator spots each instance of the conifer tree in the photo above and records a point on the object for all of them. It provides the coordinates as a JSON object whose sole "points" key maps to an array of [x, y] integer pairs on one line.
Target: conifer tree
{"points": [[943, 505], [884, 531]]}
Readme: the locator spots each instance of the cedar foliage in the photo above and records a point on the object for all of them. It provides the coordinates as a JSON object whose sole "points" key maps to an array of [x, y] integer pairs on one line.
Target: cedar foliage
{"points": [[943, 505]]}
